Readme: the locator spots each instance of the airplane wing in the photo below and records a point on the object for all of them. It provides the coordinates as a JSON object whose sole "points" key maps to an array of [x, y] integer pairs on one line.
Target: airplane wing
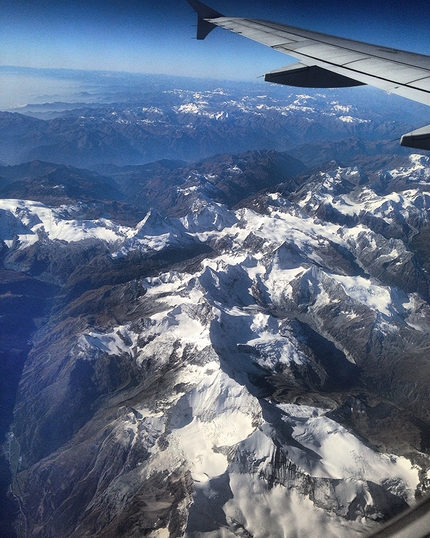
{"points": [[332, 62]]}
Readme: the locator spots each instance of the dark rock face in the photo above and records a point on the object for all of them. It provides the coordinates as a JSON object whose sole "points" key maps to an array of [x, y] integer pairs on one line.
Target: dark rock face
{"points": [[24, 303], [234, 345]]}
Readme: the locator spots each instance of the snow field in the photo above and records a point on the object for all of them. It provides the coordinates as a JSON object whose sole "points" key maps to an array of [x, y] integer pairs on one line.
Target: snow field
{"points": [[214, 416], [25, 219], [281, 512], [344, 456]]}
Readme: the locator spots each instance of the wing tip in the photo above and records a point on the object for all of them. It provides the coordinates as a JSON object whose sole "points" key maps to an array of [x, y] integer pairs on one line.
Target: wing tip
{"points": [[204, 12]]}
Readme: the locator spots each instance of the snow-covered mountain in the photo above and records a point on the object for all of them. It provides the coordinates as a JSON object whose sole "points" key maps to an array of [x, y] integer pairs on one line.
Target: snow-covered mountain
{"points": [[258, 370]]}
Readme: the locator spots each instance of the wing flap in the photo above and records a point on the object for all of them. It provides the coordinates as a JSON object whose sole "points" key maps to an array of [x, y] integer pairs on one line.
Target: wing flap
{"points": [[256, 32], [393, 71], [332, 54], [311, 53], [423, 84]]}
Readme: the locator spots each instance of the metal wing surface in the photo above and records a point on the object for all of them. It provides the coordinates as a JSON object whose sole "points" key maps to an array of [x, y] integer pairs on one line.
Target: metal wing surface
{"points": [[327, 61]]}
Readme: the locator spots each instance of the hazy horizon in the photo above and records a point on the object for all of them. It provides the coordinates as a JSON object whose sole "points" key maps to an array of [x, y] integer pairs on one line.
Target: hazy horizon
{"points": [[21, 86]]}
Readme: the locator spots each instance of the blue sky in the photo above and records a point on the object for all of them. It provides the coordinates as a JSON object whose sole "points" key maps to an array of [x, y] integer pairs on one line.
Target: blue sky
{"points": [[156, 36]]}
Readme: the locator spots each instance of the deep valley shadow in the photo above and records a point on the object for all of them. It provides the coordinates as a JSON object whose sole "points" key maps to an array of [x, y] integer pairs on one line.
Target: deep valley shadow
{"points": [[23, 300]]}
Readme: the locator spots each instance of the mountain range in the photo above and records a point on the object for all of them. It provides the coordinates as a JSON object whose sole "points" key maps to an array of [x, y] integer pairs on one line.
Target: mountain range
{"points": [[170, 122], [215, 309], [232, 347]]}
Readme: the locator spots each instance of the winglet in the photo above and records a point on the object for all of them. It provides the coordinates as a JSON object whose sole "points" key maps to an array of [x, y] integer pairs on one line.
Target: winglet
{"points": [[204, 12]]}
